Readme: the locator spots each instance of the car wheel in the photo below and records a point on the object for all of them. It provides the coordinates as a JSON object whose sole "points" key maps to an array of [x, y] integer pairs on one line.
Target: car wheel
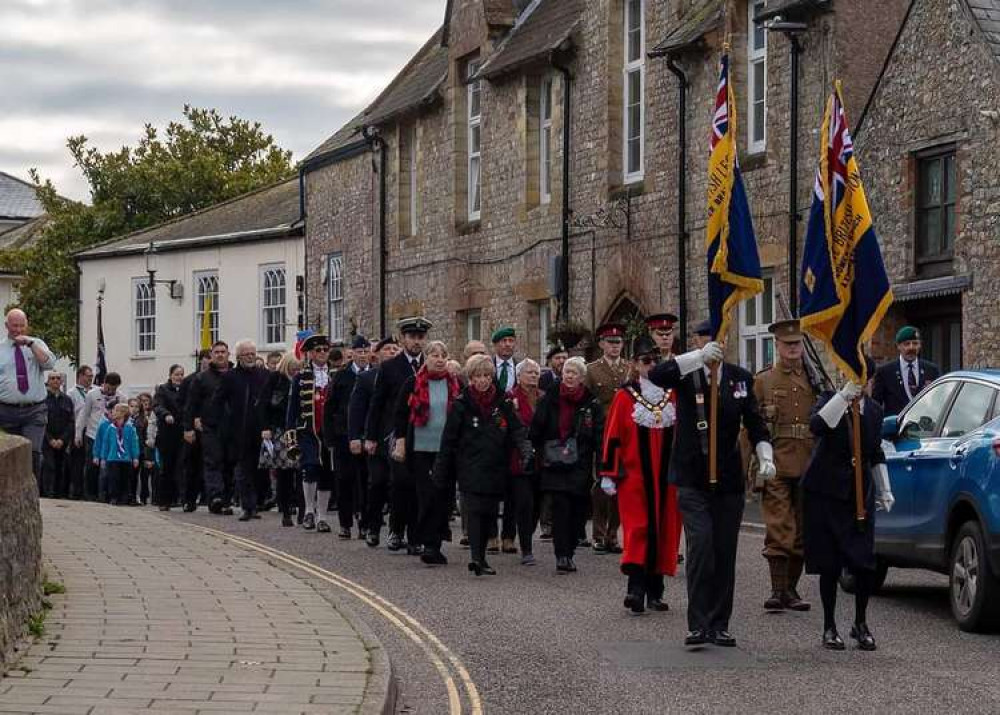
{"points": [[972, 585]]}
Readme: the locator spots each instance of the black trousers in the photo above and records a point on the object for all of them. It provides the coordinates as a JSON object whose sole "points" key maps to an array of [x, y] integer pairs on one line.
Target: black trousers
{"points": [[345, 472], [405, 509], [248, 478], [712, 530], [77, 467], [650, 585], [192, 472], [481, 511], [433, 505], [119, 476], [378, 490], [525, 508], [55, 472], [166, 492], [92, 474], [286, 492], [218, 466], [569, 511], [145, 477]]}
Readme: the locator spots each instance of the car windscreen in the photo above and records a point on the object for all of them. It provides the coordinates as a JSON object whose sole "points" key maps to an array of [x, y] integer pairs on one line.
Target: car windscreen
{"points": [[923, 417]]}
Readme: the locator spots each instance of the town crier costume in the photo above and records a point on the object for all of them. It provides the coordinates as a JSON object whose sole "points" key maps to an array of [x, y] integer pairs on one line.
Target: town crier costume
{"points": [[637, 439]]}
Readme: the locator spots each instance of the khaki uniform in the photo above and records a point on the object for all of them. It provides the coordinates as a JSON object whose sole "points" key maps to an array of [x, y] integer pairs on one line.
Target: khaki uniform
{"points": [[786, 399], [603, 380]]}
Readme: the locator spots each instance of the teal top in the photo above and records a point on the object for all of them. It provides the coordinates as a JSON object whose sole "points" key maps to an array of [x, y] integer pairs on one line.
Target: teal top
{"points": [[428, 437]]}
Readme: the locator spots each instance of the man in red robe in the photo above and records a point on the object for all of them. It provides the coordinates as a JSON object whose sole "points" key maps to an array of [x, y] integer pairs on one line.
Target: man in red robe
{"points": [[637, 439]]}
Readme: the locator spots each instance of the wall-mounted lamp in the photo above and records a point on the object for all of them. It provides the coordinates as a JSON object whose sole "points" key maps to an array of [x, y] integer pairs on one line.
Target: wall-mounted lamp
{"points": [[152, 263]]}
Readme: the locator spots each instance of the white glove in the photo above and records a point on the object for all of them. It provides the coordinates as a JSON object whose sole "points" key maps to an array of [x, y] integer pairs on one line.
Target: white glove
{"points": [[712, 352], [697, 359], [884, 500], [765, 461], [850, 392], [833, 410], [608, 486]]}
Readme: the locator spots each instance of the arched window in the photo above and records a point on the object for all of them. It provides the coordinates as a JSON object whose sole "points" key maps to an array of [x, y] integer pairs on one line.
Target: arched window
{"points": [[206, 307], [272, 301], [335, 291], [144, 310]]}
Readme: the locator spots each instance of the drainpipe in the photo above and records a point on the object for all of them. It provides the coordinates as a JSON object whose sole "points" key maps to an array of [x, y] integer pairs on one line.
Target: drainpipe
{"points": [[682, 232], [564, 265], [79, 315], [793, 182], [376, 141]]}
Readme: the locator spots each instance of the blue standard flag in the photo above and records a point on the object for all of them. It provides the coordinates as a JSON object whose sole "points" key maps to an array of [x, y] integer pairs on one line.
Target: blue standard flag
{"points": [[731, 248], [845, 290]]}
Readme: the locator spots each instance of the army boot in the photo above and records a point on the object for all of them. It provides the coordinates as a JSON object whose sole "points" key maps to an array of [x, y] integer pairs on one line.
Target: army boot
{"points": [[793, 601], [779, 582]]}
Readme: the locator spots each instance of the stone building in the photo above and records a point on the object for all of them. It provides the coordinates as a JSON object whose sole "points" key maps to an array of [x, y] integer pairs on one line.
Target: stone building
{"points": [[929, 147], [465, 223]]}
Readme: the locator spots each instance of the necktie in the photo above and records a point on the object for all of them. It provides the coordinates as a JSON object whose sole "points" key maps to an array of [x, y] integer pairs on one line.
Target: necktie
{"points": [[415, 364], [911, 380], [21, 367], [504, 376]]}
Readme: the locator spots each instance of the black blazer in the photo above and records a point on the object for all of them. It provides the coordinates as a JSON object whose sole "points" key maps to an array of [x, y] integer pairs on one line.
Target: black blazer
{"points": [[888, 389], [357, 409], [167, 403], [831, 470], [338, 399], [737, 409], [272, 403], [389, 382]]}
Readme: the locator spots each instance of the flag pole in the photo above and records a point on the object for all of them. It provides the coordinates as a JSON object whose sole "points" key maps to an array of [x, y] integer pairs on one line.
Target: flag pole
{"points": [[859, 492], [713, 427]]}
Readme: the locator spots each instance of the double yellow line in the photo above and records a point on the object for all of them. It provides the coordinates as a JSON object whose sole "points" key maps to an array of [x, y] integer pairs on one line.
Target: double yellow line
{"points": [[437, 652]]}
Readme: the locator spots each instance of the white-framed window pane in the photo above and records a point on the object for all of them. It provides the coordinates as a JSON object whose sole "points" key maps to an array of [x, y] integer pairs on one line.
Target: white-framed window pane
{"points": [[757, 80], [633, 30], [474, 189], [207, 297], [144, 309], [475, 138], [273, 297], [633, 90], [544, 325], [545, 132], [473, 325], [335, 292], [755, 316]]}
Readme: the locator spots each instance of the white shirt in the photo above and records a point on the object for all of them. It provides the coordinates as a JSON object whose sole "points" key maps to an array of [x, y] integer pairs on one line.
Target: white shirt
{"points": [[95, 408], [904, 370]]}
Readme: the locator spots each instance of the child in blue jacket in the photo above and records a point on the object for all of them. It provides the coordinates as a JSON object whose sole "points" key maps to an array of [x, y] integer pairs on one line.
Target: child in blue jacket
{"points": [[116, 451]]}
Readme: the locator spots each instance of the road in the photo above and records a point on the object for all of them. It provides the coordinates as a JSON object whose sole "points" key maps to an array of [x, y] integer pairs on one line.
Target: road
{"points": [[533, 641]]}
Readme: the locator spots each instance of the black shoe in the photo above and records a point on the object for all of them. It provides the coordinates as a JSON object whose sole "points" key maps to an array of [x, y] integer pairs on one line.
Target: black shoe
{"points": [[464, 542], [268, 505], [344, 534], [227, 511], [215, 506], [487, 569], [165, 507], [724, 639], [447, 536], [584, 543], [776, 602], [414, 550], [864, 637], [546, 536], [433, 557], [322, 527], [832, 640], [614, 548], [246, 516], [562, 565], [372, 539], [572, 565], [680, 558], [794, 602], [189, 507], [476, 568], [395, 542], [286, 520], [600, 548], [657, 604], [696, 637], [309, 522], [635, 601]]}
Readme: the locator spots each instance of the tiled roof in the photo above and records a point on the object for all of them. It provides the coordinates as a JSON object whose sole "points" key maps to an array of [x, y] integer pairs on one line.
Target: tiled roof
{"points": [[541, 28], [987, 16], [346, 135], [269, 212], [18, 198], [499, 12], [691, 28], [416, 84], [23, 235]]}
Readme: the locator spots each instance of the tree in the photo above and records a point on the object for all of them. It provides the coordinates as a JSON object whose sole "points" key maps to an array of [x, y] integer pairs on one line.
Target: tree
{"points": [[199, 162]]}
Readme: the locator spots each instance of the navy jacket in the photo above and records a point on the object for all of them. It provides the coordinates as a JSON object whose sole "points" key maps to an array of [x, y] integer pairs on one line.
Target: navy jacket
{"points": [[388, 383], [61, 420], [888, 389], [357, 409]]}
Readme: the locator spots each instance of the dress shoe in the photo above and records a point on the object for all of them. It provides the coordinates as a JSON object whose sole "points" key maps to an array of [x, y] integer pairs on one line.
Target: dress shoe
{"points": [[255, 515], [227, 511], [794, 602], [584, 543], [571, 564], [507, 546], [635, 601], [476, 568], [362, 533], [464, 542], [864, 637], [344, 534], [493, 546], [395, 542], [268, 505], [372, 539], [545, 536], [165, 507], [832, 640], [614, 548], [528, 560], [309, 522], [657, 604], [600, 548], [696, 637], [246, 516], [322, 527], [487, 570], [215, 506], [562, 565], [680, 558], [433, 557], [724, 639], [286, 520], [190, 507], [776, 602], [414, 549]]}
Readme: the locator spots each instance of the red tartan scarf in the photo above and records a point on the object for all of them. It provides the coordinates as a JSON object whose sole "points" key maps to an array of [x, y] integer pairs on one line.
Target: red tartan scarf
{"points": [[420, 400], [569, 400]]}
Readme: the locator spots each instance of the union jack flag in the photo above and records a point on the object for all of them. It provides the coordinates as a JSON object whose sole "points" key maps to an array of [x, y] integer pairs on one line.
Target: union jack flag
{"points": [[720, 122]]}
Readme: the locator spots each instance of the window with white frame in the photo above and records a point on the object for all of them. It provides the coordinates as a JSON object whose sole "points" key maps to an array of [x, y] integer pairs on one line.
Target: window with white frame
{"points": [[335, 295], [544, 325], [756, 80], [756, 343], [473, 325], [545, 134], [634, 90], [206, 306], [475, 118], [273, 296], [144, 310]]}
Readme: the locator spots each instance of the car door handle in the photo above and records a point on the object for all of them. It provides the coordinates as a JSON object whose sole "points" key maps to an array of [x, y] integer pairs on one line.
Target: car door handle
{"points": [[960, 453]]}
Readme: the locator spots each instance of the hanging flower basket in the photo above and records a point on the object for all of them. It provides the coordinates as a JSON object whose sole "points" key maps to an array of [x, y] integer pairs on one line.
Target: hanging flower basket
{"points": [[569, 333]]}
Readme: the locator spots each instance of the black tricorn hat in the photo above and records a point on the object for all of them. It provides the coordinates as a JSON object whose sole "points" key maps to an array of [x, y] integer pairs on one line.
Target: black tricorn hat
{"points": [[644, 345], [314, 341]]}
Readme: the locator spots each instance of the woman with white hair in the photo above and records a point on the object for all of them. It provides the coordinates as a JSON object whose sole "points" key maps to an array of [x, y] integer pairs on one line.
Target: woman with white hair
{"points": [[567, 430], [521, 518], [481, 433]]}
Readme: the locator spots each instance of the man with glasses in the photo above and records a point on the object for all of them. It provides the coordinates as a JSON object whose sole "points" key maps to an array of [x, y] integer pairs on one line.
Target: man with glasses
{"points": [[604, 376], [237, 394]]}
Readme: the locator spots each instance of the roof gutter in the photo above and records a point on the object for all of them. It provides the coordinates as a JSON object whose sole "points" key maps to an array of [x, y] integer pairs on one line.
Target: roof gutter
{"points": [[567, 75], [179, 244]]}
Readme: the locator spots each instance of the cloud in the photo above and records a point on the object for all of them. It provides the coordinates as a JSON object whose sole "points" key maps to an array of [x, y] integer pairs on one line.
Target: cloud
{"points": [[104, 68]]}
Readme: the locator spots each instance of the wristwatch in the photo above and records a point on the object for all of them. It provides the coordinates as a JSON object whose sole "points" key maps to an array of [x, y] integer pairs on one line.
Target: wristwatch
{"points": [[30, 343]]}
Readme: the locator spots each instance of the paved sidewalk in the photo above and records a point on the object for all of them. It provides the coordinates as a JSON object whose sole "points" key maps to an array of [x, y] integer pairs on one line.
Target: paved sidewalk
{"points": [[159, 617]]}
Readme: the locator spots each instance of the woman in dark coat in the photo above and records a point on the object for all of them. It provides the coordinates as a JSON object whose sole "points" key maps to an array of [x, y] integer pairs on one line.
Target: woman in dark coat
{"points": [[524, 492], [832, 536], [421, 414], [169, 411], [272, 408], [480, 434], [567, 431]]}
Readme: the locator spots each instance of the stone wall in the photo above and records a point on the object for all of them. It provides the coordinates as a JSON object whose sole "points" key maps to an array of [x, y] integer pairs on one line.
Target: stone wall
{"points": [[20, 545]]}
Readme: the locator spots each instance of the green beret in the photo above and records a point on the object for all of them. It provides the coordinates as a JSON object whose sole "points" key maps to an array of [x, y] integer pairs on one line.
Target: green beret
{"points": [[907, 333], [501, 333]]}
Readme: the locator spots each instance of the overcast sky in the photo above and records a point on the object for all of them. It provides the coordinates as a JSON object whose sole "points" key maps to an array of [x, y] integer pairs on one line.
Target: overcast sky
{"points": [[104, 68]]}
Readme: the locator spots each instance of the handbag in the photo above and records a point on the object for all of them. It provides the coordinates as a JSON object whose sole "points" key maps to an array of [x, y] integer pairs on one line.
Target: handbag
{"points": [[558, 453], [275, 455]]}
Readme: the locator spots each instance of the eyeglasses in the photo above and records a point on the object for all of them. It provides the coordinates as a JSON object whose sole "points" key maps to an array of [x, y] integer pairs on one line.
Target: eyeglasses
{"points": [[322, 348], [650, 360]]}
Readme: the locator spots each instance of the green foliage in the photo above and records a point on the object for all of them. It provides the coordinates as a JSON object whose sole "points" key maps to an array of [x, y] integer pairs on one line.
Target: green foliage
{"points": [[51, 587], [36, 624], [198, 162]]}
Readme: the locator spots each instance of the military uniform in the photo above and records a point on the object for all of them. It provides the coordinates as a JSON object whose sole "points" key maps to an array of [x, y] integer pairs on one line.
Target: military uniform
{"points": [[786, 397], [603, 380]]}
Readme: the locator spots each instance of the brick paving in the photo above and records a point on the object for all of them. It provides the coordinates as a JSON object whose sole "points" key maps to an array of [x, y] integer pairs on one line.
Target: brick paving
{"points": [[159, 617]]}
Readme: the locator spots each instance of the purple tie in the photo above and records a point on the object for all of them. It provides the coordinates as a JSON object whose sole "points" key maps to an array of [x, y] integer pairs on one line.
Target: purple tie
{"points": [[21, 367]]}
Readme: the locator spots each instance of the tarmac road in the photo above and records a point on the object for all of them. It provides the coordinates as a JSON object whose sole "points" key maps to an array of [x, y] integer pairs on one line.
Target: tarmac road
{"points": [[533, 641]]}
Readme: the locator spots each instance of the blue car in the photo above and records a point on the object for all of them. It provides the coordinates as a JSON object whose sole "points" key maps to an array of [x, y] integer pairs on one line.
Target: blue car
{"points": [[943, 453]]}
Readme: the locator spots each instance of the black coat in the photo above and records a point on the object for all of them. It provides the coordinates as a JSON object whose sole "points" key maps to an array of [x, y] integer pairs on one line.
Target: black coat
{"points": [[357, 409], [888, 389], [237, 393], [737, 409], [272, 403], [167, 403], [338, 402], [201, 401], [476, 448], [61, 418], [588, 428], [388, 383], [548, 380]]}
